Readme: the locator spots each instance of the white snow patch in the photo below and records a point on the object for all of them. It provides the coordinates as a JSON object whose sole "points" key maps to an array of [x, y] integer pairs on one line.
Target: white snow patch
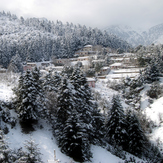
{"points": [[6, 92]]}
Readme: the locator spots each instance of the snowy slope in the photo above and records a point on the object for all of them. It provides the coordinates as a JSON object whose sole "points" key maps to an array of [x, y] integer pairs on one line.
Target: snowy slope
{"points": [[45, 140], [5, 92], [155, 113]]}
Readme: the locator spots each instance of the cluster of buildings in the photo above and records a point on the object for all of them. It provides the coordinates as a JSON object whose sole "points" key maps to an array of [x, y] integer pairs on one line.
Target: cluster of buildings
{"points": [[85, 58]]}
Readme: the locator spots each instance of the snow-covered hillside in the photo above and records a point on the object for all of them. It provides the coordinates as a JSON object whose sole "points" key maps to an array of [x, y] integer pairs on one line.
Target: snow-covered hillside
{"points": [[44, 138], [35, 39]]}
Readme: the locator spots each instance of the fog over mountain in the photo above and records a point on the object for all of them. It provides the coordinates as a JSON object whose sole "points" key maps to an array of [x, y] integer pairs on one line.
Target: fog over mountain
{"points": [[138, 37]]}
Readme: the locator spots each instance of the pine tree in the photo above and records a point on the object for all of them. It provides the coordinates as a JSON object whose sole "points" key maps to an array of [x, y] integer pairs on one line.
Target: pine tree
{"points": [[26, 98], [74, 141], [74, 99], [15, 64], [116, 126], [32, 153], [137, 140], [65, 100], [86, 106], [57, 81], [5, 151], [151, 72], [48, 84], [52, 82], [40, 97], [65, 105]]}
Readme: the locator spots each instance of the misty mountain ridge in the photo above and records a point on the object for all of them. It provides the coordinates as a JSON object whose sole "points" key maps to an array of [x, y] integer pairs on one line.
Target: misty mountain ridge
{"points": [[137, 37]]}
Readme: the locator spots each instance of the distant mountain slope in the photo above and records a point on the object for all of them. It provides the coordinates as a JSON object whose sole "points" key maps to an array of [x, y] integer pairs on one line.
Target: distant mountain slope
{"points": [[155, 34], [39, 39], [135, 38], [126, 33]]}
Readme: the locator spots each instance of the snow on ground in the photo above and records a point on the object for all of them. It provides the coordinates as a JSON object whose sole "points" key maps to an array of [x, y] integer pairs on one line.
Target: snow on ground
{"points": [[122, 73], [45, 140], [100, 155], [5, 92], [155, 113], [42, 137], [101, 87], [144, 97]]}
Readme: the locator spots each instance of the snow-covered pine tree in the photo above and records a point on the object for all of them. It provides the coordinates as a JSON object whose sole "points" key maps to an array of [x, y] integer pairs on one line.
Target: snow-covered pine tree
{"points": [[68, 70], [48, 84], [32, 153], [97, 131], [51, 82], [26, 99], [152, 72], [15, 64], [75, 138], [65, 105], [86, 106], [5, 151], [137, 140], [90, 113], [82, 97], [65, 100], [155, 90], [116, 126], [57, 81], [40, 97]]}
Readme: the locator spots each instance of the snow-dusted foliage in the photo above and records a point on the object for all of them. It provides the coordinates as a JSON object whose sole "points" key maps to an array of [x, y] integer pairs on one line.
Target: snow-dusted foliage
{"points": [[116, 126], [39, 39], [5, 151], [15, 64], [155, 90], [78, 122], [74, 139], [31, 154], [29, 97], [51, 82], [137, 141]]}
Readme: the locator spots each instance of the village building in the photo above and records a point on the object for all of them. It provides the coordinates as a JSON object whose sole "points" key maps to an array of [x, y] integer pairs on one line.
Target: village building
{"points": [[99, 61], [61, 62], [116, 66], [105, 71], [85, 51], [31, 65], [91, 82]]}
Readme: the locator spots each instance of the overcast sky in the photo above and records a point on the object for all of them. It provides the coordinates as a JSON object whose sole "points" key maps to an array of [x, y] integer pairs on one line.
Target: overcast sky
{"points": [[92, 13]]}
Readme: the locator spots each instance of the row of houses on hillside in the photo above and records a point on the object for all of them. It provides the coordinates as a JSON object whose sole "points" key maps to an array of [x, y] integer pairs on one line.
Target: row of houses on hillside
{"points": [[86, 58], [125, 60]]}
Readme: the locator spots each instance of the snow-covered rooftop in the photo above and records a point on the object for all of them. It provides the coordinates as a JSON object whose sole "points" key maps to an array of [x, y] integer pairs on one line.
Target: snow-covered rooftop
{"points": [[116, 64], [86, 46], [90, 79]]}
